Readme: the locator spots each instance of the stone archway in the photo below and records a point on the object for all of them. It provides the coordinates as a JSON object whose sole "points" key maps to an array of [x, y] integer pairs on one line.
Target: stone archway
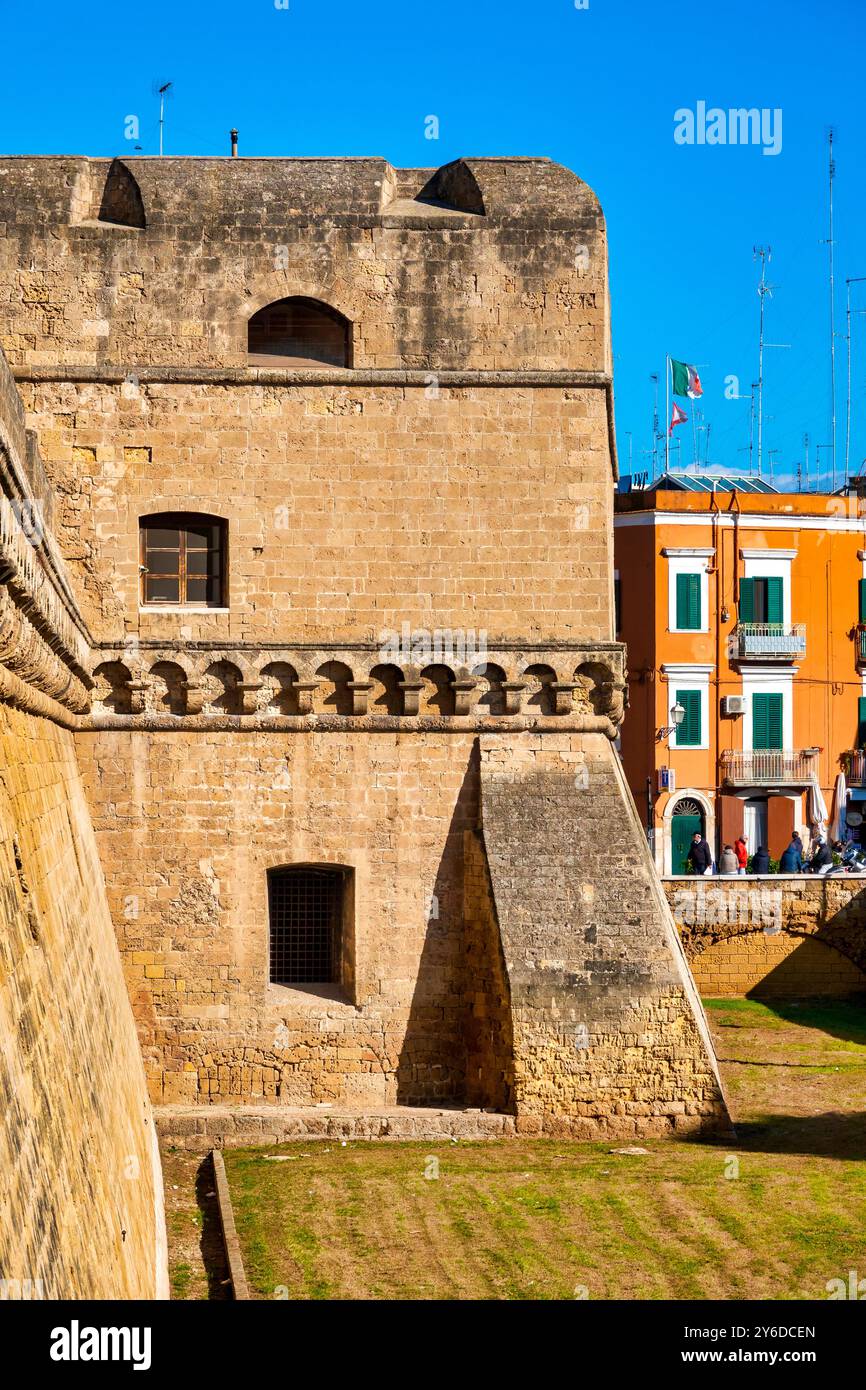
{"points": [[695, 804]]}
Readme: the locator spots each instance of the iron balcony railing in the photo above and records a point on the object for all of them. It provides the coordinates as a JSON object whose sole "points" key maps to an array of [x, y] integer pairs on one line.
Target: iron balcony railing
{"points": [[773, 640], [854, 766], [770, 767], [861, 644]]}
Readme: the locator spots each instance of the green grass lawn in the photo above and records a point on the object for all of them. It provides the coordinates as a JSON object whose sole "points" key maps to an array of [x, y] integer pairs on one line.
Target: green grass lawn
{"points": [[775, 1213]]}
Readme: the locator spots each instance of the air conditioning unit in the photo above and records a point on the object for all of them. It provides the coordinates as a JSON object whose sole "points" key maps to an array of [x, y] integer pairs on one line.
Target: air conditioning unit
{"points": [[667, 779], [733, 704]]}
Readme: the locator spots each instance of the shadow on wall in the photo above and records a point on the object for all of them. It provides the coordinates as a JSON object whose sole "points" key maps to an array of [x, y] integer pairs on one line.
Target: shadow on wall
{"points": [[814, 968], [756, 964], [458, 1047]]}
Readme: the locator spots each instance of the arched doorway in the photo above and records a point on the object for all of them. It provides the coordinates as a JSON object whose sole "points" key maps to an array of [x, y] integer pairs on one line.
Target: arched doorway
{"points": [[687, 818]]}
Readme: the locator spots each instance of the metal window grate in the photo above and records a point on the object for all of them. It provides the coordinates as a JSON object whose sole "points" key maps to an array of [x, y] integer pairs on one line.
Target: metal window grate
{"points": [[305, 907]]}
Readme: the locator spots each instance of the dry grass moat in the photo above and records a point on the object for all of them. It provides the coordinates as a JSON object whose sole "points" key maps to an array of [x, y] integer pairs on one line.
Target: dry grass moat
{"points": [[774, 1214]]}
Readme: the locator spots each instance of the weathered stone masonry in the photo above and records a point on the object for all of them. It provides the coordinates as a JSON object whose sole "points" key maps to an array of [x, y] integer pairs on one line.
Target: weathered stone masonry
{"points": [[773, 936], [454, 475], [80, 1184]]}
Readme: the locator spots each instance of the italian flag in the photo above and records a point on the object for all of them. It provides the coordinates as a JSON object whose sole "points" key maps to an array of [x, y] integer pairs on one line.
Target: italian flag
{"points": [[685, 380], [678, 417]]}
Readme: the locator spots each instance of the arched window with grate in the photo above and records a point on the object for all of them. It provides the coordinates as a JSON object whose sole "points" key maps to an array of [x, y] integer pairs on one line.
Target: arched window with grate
{"points": [[309, 908], [301, 332], [183, 560]]}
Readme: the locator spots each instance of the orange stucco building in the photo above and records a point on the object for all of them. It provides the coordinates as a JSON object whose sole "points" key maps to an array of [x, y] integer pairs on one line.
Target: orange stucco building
{"points": [[743, 615]]}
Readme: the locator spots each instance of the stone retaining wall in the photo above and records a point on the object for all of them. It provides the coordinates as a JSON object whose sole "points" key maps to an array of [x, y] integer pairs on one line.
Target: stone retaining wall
{"points": [[773, 936]]}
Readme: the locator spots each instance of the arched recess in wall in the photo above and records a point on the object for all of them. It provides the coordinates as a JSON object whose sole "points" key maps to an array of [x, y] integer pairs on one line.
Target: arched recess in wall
{"points": [[299, 332], [121, 203], [455, 188]]}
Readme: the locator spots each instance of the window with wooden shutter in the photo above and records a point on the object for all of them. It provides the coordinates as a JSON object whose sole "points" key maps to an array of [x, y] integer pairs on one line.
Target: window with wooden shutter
{"points": [[183, 559], [688, 602], [861, 585], [773, 601], [689, 732], [861, 721], [767, 721], [762, 600]]}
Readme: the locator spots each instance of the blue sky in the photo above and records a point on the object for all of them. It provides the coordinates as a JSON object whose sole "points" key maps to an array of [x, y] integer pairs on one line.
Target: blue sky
{"points": [[594, 88]]}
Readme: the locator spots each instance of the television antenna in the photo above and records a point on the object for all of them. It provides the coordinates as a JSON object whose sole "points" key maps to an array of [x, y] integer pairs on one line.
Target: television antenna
{"points": [[830, 243], [161, 90], [764, 254]]}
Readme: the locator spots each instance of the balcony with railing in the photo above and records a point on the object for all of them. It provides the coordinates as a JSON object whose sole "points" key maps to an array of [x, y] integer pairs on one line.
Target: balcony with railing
{"points": [[854, 767], [770, 767], [768, 642], [860, 644]]}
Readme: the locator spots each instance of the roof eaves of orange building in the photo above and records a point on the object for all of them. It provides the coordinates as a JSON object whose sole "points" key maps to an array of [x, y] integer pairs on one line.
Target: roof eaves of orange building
{"points": [[825, 505]]}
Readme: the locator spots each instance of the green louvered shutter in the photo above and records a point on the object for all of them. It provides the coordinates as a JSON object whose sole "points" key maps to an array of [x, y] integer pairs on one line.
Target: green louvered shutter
{"points": [[746, 608], [775, 608], [688, 602], [861, 721], [862, 588], [689, 732], [766, 721]]}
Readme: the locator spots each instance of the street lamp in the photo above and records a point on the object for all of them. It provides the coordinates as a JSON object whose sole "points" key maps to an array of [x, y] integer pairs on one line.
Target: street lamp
{"points": [[678, 714]]}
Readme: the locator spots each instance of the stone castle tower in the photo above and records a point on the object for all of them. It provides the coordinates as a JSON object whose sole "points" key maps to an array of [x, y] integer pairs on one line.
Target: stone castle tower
{"points": [[325, 455]]}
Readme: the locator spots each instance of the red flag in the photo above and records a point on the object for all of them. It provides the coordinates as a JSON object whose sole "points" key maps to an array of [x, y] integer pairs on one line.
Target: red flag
{"points": [[679, 417]]}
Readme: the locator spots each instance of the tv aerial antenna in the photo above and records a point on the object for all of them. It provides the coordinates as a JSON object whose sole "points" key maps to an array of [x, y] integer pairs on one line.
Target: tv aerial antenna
{"points": [[162, 90]]}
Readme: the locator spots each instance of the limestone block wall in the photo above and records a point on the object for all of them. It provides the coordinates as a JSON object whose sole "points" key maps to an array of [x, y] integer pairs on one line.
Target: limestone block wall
{"points": [[350, 510], [609, 1034], [188, 826], [80, 1184], [453, 476], [773, 937], [501, 263]]}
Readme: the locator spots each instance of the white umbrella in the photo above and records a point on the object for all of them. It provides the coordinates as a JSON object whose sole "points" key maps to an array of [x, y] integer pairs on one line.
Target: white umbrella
{"points": [[837, 829], [817, 809]]}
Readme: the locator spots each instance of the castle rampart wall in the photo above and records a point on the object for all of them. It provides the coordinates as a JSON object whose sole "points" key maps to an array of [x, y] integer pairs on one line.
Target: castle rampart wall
{"points": [[80, 1182]]}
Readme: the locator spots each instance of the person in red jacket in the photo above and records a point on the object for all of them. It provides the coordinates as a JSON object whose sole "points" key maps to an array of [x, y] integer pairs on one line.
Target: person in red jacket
{"points": [[741, 850]]}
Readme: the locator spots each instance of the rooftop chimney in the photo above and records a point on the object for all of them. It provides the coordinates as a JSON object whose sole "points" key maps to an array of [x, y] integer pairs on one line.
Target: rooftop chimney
{"points": [[234, 136]]}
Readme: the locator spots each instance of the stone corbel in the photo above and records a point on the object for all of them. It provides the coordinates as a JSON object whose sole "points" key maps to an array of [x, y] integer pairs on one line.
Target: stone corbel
{"points": [[463, 691], [305, 690], [513, 692], [195, 693], [614, 693], [360, 695], [411, 696], [137, 692], [563, 692], [249, 695]]}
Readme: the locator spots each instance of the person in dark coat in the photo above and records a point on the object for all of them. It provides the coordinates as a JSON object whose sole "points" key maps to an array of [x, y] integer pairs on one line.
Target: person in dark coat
{"points": [[821, 859], [760, 861], [792, 859], [700, 854]]}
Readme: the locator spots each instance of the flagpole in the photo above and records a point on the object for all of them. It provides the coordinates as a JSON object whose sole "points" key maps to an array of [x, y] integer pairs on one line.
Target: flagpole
{"points": [[667, 414]]}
